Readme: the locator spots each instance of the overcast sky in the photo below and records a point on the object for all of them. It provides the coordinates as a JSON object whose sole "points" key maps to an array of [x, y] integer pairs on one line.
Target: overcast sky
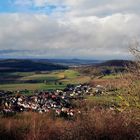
{"points": [[87, 29]]}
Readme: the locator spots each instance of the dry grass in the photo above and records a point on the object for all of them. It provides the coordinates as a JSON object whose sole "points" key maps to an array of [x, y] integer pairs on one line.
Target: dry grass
{"points": [[96, 124], [121, 82]]}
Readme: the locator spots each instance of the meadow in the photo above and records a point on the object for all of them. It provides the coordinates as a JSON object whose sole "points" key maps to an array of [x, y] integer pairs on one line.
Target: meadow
{"points": [[43, 80]]}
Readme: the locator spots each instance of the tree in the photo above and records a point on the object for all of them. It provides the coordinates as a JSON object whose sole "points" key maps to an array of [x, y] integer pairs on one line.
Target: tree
{"points": [[134, 76], [135, 67]]}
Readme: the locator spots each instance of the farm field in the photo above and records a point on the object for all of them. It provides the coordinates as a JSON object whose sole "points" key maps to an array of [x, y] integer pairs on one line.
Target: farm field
{"points": [[44, 80], [30, 86]]}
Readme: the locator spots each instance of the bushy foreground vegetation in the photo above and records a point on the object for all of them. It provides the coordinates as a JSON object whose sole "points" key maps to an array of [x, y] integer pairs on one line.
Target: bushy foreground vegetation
{"points": [[97, 124]]}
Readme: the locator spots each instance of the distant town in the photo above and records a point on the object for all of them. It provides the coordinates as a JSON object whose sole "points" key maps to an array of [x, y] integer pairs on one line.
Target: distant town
{"points": [[44, 101]]}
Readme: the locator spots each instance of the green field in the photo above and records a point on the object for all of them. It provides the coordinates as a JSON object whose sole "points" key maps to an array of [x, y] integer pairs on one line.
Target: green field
{"points": [[29, 86], [104, 99], [112, 76], [44, 80], [52, 76]]}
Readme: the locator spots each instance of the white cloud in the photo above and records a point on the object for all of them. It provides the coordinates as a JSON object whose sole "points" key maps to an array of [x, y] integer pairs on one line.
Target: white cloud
{"points": [[68, 37], [74, 28], [89, 7], [22, 2]]}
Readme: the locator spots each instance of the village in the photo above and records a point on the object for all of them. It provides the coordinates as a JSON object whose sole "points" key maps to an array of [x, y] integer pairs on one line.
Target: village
{"points": [[58, 101]]}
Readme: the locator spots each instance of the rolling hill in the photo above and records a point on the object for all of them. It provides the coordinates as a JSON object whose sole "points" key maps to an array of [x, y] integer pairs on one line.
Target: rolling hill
{"points": [[69, 62], [116, 63], [21, 65]]}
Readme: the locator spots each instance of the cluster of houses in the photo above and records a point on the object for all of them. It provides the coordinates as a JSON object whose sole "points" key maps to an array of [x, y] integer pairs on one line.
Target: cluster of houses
{"points": [[59, 100]]}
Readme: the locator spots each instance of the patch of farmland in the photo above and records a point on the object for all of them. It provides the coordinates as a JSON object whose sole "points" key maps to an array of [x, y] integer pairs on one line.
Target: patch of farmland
{"points": [[77, 80], [29, 86]]}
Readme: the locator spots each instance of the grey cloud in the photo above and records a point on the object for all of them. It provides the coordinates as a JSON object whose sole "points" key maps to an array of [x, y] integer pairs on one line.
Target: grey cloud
{"points": [[88, 7], [103, 7], [9, 51], [67, 37], [82, 8]]}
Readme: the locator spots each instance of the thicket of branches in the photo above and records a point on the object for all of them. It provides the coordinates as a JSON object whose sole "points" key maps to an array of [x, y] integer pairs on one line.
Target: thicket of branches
{"points": [[135, 51], [133, 88]]}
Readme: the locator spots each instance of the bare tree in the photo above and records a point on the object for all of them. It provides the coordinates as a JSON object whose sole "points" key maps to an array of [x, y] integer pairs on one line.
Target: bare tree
{"points": [[134, 73], [135, 67], [130, 95]]}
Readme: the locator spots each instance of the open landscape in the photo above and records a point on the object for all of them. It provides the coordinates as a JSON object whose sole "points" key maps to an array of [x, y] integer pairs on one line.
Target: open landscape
{"points": [[96, 99], [69, 70]]}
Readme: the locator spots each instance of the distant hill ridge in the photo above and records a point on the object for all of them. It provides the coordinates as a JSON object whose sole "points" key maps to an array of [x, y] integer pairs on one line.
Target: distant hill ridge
{"points": [[22, 65], [27, 65], [116, 63], [69, 62]]}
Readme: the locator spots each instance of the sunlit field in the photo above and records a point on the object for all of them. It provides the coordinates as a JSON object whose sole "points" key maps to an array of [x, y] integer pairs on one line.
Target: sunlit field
{"points": [[44, 81]]}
